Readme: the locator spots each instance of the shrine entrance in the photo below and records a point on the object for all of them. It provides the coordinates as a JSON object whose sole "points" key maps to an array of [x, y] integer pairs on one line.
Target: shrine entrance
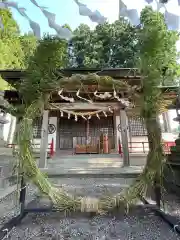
{"points": [[84, 136]]}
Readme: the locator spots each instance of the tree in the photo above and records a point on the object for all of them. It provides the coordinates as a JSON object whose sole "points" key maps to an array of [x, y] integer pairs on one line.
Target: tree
{"points": [[28, 45], [157, 52], [81, 46], [51, 54], [10, 50], [15, 50], [109, 45]]}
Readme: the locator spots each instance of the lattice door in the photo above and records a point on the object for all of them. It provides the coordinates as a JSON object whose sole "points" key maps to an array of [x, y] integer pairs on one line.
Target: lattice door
{"points": [[137, 126]]}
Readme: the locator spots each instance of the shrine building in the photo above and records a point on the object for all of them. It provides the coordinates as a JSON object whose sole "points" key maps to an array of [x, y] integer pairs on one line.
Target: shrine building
{"points": [[110, 120]]}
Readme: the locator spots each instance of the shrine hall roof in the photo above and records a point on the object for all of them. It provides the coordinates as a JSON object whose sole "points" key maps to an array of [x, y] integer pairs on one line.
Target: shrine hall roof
{"points": [[14, 76], [131, 75]]}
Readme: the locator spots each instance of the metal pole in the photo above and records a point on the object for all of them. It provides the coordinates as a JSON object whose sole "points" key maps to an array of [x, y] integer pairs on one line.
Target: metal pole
{"points": [[22, 195], [157, 191]]}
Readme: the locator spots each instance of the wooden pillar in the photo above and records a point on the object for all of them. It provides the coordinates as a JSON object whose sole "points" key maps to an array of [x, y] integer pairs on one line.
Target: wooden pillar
{"points": [[44, 140], [124, 137], [12, 130], [87, 132], [167, 127], [116, 137]]}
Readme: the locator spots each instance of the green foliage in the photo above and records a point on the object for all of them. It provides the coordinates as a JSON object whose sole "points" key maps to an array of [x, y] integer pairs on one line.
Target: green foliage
{"points": [[109, 45], [14, 49], [158, 57], [157, 54], [50, 55], [10, 25], [10, 49], [67, 26], [28, 44]]}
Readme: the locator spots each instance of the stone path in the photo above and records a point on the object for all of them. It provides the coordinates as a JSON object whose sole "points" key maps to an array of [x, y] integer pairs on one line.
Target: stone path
{"points": [[93, 164]]}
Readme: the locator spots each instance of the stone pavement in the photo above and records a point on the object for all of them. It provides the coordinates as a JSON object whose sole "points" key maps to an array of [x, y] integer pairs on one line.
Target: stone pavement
{"points": [[94, 164], [77, 166]]}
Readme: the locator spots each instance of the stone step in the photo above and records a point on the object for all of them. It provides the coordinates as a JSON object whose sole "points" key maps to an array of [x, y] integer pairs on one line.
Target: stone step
{"points": [[173, 158], [85, 165], [177, 141], [78, 172]]}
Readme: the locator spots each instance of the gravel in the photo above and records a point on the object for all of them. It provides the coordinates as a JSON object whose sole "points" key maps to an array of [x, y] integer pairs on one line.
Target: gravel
{"points": [[141, 223]]}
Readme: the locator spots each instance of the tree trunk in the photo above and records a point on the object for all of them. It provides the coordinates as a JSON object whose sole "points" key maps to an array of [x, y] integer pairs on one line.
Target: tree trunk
{"points": [[155, 156]]}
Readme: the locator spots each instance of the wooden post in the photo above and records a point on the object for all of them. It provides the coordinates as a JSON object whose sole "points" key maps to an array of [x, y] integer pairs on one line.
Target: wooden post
{"points": [[124, 137], [12, 130], [87, 132], [167, 127], [44, 140]]}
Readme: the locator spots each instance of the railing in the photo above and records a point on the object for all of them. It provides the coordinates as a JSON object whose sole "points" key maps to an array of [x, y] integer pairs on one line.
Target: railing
{"points": [[143, 147], [133, 147], [138, 147], [36, 148]]}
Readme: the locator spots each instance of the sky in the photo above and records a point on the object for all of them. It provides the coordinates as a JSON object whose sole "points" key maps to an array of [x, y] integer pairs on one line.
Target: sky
{"points": [[67, 12]]}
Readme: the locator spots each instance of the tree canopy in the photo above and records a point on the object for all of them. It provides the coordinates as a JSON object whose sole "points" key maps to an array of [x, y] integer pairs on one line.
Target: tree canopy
{"points": [[51, 54], [157, 52], [115, 45], [14, 48], [109, 45]]}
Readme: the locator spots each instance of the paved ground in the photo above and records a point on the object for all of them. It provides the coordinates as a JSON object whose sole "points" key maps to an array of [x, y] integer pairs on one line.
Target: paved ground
{"points": [[83, 164]]}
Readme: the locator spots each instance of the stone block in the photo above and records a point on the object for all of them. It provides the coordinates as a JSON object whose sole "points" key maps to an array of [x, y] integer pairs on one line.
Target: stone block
{"points": [[175, 148], [177, 141], [175, 151], [174, 158]]}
